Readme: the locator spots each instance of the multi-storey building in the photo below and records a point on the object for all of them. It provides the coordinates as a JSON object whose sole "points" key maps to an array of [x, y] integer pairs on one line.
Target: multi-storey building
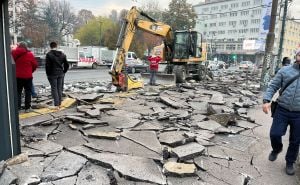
{"points": [[228, 24]]}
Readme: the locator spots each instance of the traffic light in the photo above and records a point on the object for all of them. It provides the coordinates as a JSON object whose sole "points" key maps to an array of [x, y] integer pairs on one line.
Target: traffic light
{"points": [[233, 56]]}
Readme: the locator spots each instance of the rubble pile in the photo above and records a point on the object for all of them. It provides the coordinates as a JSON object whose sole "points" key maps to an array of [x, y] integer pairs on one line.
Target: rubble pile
{"points": [[193, 133]]}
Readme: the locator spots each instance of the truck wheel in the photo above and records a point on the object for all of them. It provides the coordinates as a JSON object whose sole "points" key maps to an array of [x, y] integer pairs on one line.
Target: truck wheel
{"points": [[200, 72], [94, 66], [180, 73]]}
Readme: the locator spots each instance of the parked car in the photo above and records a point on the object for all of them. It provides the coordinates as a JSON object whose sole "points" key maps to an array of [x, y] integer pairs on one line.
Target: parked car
{"points": [[136, 66], [246, 66]]}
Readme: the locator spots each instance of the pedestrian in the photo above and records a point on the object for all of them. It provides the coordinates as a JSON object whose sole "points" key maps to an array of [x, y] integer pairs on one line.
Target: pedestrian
{"points": [[153, 65], [26, 64], [285, 62], [56, 67], [287, 112]]}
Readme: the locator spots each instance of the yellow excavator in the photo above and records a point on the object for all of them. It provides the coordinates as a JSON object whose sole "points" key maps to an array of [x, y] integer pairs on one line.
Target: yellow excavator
{"points": [[183, 50]]}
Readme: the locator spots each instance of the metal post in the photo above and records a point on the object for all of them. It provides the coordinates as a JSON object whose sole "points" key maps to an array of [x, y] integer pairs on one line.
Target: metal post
{"points": [[100, 32], [282, 34], [9, 122], [14, 22], [269, 48]]}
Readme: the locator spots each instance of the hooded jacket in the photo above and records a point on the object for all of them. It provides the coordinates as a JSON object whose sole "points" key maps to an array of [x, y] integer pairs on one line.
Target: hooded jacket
{"points": [[56, 63], [153, 62], [26, 64], [290, 98]]}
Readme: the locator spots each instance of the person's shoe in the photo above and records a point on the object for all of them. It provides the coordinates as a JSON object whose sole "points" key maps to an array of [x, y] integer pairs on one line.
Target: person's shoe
{"points": [[273, 155], [289, 169]]}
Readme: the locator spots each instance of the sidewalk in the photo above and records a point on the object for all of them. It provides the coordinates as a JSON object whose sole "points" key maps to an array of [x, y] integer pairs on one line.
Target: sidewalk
{"points": [[272, 173]]}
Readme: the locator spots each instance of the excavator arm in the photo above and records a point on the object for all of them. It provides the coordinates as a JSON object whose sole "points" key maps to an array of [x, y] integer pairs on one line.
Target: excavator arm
{"points": [[131, 23]]}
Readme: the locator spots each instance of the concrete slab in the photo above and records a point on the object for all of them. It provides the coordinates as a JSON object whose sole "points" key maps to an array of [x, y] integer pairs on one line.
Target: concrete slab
{"points": [[237, 142], [149, 126], [173, 139], [8, 178], [188, 151], [120, 122], [217, 99], [103, 107], [103, 135], [90, 97], [179, 169], [66, 164], [2, 167], [93, 113], [65, 181], [92, 174], [47, 147], [199, 107], [139, 168], [36, 120], [209, 125], [246, 124], [168, 101], [186, 180], [81, 150], [122, 146], [82, 120], [146, 138], [224, 119], [32, 152]]}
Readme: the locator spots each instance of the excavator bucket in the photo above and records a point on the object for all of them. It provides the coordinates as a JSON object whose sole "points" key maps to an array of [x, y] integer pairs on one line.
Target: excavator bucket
{"points": [[161, 78], [134, 83]]}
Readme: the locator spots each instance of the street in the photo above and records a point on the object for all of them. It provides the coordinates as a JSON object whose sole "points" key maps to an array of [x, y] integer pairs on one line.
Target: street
{"points": [[74, 75]]}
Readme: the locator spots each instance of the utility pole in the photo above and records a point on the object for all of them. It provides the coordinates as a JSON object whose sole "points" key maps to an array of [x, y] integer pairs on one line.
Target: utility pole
{"points": [[269, 47], [100, 32], [282, 34], [14, 22]]}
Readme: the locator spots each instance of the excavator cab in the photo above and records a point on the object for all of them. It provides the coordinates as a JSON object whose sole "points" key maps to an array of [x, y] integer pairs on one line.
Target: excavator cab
{"points": [[187, 44]]}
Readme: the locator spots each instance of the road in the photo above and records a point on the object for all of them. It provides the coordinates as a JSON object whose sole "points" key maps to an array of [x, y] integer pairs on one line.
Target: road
{"points": [[74, 75]]}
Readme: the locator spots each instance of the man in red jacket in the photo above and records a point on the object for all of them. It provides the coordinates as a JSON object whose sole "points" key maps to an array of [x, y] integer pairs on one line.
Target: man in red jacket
{"points": [[153, 64], [26, 64]]}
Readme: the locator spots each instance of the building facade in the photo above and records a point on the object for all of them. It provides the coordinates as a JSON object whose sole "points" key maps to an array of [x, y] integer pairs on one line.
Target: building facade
{"points": [[227, 24]]}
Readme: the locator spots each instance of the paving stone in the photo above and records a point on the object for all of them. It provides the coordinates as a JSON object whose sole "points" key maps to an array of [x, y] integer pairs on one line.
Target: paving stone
{"points": [[198, 117], [179, 169], [67, 137], [149, 125], [72, 126], [32, 152], [86, 120], [66, 164], [237, 142], [30, 171], [81, 150], [90, 97], [124, 113], [30, 134], [146, 138], [217, 99], [199, 107], [246, 124], [103, 135], [94, 113], [36, 120], [215, 109], [66, 181], [235, 129], [84, 108], [103, 107], [209, 125], [121, 122], [239, 104], [185, 180], [88, 126], [122, 146], [204, 142], [224, 119], [46, 146], [8, 178], [92, 174], [139, 168], [173, 139], [220, 172], [205, 134], [188, 151], [242, 111], [2, 167], [166, 100]]}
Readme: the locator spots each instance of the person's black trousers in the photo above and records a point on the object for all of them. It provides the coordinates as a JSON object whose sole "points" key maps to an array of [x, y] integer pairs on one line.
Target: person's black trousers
{"points": [[282, 118], [56, 83], [24, 83]]}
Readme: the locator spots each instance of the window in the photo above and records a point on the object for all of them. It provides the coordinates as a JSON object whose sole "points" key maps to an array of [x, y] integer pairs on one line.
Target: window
{"points": [[221, 32], [246, 3], [213, 24], [232, 23], [205, 9], [244, 22], [255, 21], [243, 30], [214, 8], [222, 15], [244, 13], [213, 16], [256, 12], [223, 7], [222, 23], [240, 47], [234, 5], [233, 14], [257, 2], [254, 30]]}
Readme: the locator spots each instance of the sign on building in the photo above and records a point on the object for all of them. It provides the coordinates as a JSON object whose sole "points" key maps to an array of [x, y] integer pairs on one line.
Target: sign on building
{"points": [[249, 45]]}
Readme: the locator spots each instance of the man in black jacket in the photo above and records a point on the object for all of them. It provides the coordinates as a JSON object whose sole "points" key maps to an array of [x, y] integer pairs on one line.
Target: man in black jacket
{"points": [[56, 67]]}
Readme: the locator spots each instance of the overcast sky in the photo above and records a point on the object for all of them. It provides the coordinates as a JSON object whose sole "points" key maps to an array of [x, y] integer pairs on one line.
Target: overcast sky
{"points": [[104, 7]]}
